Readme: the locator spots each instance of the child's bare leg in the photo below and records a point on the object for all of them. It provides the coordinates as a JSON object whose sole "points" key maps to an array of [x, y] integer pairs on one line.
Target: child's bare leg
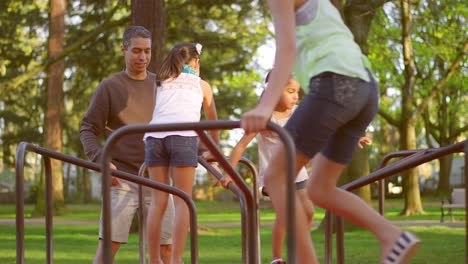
{"points": [[322, 186], [278, 234], [100, 251], [307, 205], [276, 180], [183, 179], [166, 253], [155, 214]]}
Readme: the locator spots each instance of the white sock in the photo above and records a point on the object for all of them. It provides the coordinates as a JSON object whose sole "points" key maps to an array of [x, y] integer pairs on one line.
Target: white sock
{"points": [[275, 260]]}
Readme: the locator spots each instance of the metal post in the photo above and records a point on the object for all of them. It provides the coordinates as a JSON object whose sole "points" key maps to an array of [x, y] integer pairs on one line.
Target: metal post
{"points": [[106, 209], [252, 168], [328, 237], [106, 180], [466, 199], [243, 207], [20, 155], [382, 197], [49, 208], [339, 240], [374, 176], [23, 146], [141, 218], [247, 195]]}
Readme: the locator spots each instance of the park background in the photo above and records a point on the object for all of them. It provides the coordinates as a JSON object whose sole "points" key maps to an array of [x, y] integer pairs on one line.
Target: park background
{"points": [[54, 53]]}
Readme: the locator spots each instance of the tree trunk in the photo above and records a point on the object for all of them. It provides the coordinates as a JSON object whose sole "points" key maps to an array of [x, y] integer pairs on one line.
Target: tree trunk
{"points": [[411, 191], [87, 196], [151, 15], [407, 128], [66, 183], [54, 109], [6, 147], [358, 15], [445, 168]]}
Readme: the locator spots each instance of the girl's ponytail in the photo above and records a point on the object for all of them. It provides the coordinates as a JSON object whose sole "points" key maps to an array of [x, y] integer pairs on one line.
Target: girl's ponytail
{"points": [[180, 54]]}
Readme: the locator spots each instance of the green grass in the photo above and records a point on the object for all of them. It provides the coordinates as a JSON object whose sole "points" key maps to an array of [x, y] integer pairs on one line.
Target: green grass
{"points": [[77, 244], [83, 212], [217, 211]]}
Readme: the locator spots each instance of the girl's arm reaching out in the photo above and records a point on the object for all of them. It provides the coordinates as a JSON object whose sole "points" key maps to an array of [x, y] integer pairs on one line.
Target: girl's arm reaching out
{"points": [[209, 107], [236, 155]]}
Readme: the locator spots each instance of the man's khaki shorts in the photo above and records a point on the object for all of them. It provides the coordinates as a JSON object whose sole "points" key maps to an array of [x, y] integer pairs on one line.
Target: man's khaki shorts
{"points": [[124, 205]]}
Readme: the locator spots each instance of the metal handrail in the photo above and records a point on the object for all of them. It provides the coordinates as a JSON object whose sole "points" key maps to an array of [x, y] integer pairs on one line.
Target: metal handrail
{"points": [[141, 217], [255, 189], [47, 154], [252, 223], [243, 206], [244, 212], [412, 159], [386, 159], [245, 191], [405, 155], [249, 198], [201, 126]]}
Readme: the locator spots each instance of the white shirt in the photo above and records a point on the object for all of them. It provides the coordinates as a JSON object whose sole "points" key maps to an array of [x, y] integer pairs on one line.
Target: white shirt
{"points": [[267, 140], [177, 100]]}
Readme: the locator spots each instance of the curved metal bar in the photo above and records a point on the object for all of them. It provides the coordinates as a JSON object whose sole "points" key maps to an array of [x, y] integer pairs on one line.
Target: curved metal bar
{"points": [[20, 160], [49, 209], [290, 152], [339, 223], [412, 159], [255, 189], [254, 171], [339, 239], [247, 194], [406, 154], [328, 237], [20, 157], [242, 203], [244, 211], [197, 126], [105, 170], [465, 150], [408, 164], [384, 163], [106, 180], [141, 218]]}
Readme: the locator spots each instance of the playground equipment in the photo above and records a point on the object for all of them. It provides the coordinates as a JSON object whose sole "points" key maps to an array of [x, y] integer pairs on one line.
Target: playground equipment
{"points": [[247, 197], [199, 127], [410, 159], [248, 200], [47, 155]]}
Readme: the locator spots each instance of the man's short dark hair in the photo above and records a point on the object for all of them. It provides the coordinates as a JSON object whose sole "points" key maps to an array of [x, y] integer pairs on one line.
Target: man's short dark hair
{"points": [[134, 32]]}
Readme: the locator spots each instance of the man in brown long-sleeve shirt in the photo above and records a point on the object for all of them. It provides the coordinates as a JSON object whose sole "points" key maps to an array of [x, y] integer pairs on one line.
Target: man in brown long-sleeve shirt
{"points": [[127, 97]]}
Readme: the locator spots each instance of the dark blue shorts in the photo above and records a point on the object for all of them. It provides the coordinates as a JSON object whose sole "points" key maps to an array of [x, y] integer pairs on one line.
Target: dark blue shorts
{"points": [[299, 185], [176, 151], [333, 116]]}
